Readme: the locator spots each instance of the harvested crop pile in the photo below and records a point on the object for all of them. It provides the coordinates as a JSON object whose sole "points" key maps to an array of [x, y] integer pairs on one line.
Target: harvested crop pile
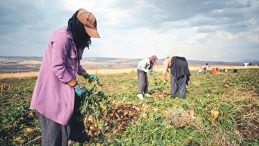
{"points": [[101, 117], [121, 115], [116, 120]]}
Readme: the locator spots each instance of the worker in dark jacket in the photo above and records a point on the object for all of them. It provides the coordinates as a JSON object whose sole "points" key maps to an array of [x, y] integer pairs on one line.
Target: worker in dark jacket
{"points": [[179, 75]]}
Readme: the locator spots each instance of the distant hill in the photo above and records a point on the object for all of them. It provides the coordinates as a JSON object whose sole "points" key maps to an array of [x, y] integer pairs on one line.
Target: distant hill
{"points": [[197, 62], [23, 64], [254, 62]]}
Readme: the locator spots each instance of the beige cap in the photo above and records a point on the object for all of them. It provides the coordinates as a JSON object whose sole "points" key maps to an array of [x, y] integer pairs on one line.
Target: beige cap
{"points": [[89, 21]]}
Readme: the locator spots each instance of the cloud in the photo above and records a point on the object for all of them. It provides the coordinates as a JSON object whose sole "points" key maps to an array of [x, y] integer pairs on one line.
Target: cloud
{"points": [[200, 29]]}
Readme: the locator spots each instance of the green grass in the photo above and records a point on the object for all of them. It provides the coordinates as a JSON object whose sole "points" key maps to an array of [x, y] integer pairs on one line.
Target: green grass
{"points": [[234, 95]]}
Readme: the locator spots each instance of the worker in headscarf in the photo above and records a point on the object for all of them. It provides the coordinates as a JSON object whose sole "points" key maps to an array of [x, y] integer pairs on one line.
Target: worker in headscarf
{"points": [[57, 93]]}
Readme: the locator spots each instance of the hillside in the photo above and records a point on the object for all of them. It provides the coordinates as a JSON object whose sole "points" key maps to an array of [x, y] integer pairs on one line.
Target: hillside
{"points": [[25, 64]]}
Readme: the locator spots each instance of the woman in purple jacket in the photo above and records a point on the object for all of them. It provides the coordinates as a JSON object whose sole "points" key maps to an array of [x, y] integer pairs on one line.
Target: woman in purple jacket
{"points": [[56, 92]]}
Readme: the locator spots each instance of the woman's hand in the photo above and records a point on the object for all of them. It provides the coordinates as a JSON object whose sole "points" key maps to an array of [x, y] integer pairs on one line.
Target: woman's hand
{"points": [[92, 78], [81, 90]]}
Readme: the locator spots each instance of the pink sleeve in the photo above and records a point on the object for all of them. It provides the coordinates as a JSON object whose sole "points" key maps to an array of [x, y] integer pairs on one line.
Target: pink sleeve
{"points": [[58, 59]]}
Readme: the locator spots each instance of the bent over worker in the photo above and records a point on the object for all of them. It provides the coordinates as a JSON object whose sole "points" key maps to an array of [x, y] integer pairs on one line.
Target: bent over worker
{"points": [[145, 66], [179, 75]]}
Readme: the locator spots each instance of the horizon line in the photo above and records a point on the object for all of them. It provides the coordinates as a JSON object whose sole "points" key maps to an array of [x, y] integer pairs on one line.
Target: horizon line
{"points": [[240, 61]]}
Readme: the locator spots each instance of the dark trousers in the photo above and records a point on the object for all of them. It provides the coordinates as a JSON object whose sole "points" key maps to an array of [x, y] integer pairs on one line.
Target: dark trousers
{"points": [[53, 133], [142, 82], [77, 124], [178, 86]]}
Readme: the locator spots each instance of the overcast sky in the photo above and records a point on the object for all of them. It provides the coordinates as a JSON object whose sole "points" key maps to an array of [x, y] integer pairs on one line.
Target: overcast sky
{"points": [[222, 30]]}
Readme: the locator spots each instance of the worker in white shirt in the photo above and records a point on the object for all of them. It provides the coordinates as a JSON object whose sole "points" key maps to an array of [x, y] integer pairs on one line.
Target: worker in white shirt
{"points": [[145, 66]]}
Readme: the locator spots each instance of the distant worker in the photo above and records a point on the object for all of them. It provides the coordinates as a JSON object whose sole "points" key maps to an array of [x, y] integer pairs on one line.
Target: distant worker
{"points": [[204, 68], [56, 96], [145, 66], [180, 75]]}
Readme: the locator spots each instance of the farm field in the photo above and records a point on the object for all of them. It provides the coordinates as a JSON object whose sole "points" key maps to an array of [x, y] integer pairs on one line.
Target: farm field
{"points": [[221, 109]]}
